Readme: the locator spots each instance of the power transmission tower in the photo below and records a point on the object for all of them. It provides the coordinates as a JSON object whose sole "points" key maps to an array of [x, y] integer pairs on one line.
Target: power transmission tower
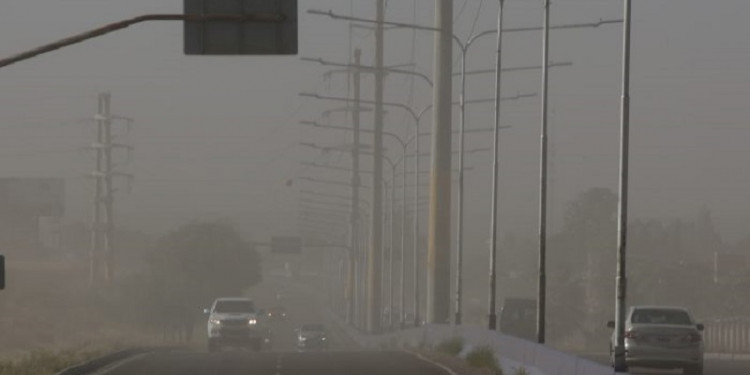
{"points": [[102, 257]]}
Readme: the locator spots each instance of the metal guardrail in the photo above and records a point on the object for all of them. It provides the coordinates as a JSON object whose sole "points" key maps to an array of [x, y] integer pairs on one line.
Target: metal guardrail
{"points": [[728, 336]]}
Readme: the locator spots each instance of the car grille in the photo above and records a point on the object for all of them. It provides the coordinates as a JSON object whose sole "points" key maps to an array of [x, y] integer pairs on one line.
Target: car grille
{"points": [[234, 322]]}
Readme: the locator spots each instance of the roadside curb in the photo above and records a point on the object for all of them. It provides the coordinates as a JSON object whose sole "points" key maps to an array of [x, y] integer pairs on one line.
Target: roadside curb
{"points": [[104, 361]]}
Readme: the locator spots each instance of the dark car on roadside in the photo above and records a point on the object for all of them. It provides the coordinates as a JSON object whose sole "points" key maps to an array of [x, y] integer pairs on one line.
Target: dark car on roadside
{"points": [[518, 318], [277, 313]]}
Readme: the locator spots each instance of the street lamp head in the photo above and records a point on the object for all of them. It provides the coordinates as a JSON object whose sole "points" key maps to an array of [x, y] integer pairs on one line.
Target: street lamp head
{"points": [[312, 59]]}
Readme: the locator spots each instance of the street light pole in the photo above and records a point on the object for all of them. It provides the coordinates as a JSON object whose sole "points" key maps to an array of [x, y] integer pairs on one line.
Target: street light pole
{"points": [[393, 244], [354, 235], [402, 279], [460, 203], [622, 224], [542, 282], [492, 315]]}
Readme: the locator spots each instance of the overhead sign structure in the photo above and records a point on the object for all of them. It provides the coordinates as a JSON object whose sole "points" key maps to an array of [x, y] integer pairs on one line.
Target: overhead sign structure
{"points": [[241, 38], [286, 245]]}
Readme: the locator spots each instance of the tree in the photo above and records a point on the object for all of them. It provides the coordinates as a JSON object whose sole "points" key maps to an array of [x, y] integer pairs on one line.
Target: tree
{"points": [[189, 268], [207, 260], [582, 264]]}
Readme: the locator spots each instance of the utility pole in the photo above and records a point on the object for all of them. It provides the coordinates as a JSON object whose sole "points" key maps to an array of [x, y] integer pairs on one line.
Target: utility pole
{"points": [[438, 258], [542, 282], [492, 313], [373, 269], [622, 222], [354, 235]]}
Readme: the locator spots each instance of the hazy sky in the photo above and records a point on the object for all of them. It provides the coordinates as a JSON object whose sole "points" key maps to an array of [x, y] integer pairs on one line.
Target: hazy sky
{"points": [[218, 137]]}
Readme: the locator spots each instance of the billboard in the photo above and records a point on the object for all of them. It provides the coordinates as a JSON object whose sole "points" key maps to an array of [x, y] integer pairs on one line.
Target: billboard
{"points": [[33, 197], [286, 245]]}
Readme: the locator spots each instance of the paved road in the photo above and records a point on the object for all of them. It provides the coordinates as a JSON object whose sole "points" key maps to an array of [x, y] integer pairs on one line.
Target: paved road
{"points": [[268, 363], [344, 358], [712, 366]]}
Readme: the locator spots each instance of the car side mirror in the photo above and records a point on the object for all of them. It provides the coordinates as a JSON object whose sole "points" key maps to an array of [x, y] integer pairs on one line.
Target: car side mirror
{"points": [[207, 311], [700, 326], [2, 272], [611, 324]]}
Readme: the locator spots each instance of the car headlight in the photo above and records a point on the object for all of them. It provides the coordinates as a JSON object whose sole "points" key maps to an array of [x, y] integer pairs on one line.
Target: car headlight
{"points": [[322, 339], [215, 322], [302, 338], [252, 322]]}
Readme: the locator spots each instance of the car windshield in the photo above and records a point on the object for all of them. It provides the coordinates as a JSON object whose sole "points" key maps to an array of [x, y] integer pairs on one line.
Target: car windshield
{"points": [[661, 316], [234, 307], [313, 328]]}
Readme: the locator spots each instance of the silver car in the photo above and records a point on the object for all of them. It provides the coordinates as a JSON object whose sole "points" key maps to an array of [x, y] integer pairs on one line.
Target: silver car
{"points": [[662, 337]]}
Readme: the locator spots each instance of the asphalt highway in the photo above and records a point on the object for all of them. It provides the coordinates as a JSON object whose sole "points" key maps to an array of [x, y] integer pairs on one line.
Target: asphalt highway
{"points": [[281, 363]]}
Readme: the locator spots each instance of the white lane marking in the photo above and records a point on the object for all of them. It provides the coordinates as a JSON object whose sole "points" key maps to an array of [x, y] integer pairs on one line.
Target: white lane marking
{"points": [[440, 365], [118, 364]]}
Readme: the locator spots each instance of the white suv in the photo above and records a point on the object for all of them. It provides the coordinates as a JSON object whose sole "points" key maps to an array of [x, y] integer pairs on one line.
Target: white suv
{"points": [[234, 322]]}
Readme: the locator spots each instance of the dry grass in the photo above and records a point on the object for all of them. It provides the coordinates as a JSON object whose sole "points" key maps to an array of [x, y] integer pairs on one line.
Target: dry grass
{"points": [[48, 362], [48, 307]]}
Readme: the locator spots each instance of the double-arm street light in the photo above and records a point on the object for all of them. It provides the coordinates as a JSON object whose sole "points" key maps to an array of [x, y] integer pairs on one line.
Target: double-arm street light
{"points": [[417, 117], [464, 46]]}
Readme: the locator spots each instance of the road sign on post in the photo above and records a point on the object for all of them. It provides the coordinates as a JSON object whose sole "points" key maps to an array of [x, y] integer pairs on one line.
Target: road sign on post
{"points": [[241, 38], [286, 245]]}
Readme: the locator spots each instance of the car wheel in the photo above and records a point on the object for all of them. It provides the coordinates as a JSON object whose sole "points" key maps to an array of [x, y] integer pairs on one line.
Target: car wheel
{"points": [[693, 370]]}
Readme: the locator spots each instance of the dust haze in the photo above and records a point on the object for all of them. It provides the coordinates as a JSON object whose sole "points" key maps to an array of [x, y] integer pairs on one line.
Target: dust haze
{"points": [[217, 148]]}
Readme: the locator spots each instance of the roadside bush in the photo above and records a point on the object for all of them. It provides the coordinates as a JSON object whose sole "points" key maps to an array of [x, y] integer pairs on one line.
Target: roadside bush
{"points": [[484, 357], [452, 346]]}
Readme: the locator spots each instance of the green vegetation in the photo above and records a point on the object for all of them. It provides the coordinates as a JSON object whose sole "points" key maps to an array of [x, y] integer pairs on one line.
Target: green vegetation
{"points": [[452, 346], [483, 357], [47, 362]]}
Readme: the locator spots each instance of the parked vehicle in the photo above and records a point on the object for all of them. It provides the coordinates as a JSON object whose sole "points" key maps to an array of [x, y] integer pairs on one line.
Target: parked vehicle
{"points": [[233, 322], [662, 337], [518, 318]]}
